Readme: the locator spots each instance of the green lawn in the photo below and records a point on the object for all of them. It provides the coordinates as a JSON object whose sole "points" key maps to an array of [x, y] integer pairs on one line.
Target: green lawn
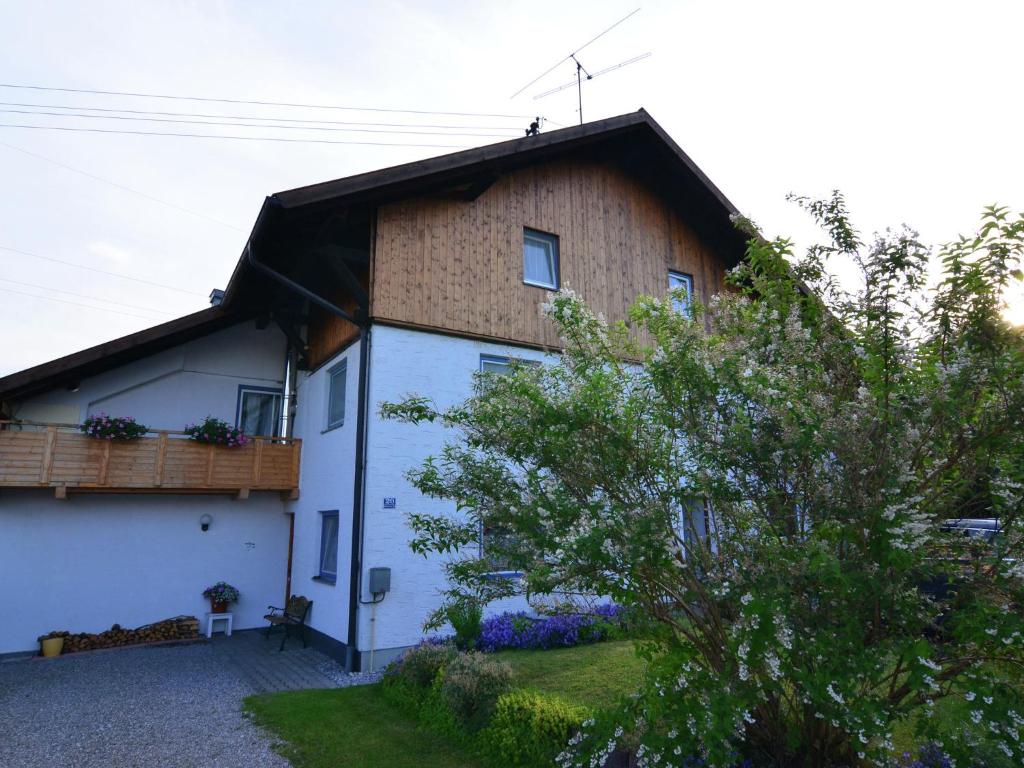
{"points": [[593, 675], [357, 728], [351, 728]]}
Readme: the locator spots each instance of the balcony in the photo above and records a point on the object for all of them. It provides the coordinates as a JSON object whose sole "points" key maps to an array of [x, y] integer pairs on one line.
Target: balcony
{"points": [[58, 456]]}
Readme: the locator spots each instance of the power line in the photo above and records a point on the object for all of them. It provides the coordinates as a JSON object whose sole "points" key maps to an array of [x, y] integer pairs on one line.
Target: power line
{"points": [[67, 167], [561, 61], [263, 103], [251, 125], [225, 136], [255, 117], [100, 271], [77, 304], [84, 296]]}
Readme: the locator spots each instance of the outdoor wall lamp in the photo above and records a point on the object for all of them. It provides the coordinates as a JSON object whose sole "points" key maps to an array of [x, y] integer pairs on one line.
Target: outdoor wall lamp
{"points": [[204, 522]]}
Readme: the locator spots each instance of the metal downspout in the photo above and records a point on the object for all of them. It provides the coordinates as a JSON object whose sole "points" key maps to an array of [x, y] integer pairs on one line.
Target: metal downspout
{"points": [[358, 506], [355, 574]]}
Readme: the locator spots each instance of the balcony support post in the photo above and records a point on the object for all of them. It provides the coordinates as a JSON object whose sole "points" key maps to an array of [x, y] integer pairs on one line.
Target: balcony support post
{"points": [[161, 458], [47, 466]]}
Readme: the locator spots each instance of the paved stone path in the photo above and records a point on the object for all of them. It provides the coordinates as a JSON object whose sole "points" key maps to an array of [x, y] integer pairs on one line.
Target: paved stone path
{"points": [[258, 661], [152, 707]]}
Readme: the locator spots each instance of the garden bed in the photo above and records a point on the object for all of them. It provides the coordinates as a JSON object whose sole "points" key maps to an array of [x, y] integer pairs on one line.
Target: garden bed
{"points": [[317, 725]]}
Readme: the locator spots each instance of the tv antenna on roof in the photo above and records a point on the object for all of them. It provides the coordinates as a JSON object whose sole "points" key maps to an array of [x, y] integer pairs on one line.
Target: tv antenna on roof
{"points": [[580, 69]]}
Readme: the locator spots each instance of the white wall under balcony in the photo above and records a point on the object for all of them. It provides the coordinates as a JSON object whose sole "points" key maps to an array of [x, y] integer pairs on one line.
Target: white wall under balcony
{"points": [[95, 560]]}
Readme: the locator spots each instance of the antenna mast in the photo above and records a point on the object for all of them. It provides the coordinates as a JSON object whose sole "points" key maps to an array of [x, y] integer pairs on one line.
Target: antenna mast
{"points": [[580, 70]]}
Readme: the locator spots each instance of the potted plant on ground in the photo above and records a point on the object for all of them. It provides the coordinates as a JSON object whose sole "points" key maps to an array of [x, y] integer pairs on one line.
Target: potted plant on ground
{"points": [[220, 596]]}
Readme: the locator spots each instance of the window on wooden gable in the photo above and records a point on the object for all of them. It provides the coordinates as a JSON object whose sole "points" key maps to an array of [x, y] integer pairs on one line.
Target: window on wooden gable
{"points": [[336, 382], [540, 259], [259, 410], [328, 546], [680, 280]]}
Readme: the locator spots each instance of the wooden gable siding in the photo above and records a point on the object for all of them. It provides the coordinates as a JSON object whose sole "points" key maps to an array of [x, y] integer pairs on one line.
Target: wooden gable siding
{"points": [[329, 333], [458, 266]]}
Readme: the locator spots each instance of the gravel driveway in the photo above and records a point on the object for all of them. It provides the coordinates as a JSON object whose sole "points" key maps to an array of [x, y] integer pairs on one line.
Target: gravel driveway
{"points": [[162, 707]]}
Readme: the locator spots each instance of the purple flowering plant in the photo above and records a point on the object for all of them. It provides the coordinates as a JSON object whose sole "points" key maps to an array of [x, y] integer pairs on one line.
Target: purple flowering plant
{"points": [[217, 432], [104, 427], [561, 630]]}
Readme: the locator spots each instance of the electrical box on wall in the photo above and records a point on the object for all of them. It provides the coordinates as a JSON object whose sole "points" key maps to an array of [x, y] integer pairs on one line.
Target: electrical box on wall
{"points": [[380, 581]]}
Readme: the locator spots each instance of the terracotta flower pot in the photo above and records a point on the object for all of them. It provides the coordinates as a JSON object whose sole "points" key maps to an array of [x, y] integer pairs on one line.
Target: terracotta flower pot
{"points": [[218, 606]]}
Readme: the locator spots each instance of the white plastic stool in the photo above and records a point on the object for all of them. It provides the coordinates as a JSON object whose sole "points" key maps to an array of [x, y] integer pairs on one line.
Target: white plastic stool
{"points": [[212, 617]]}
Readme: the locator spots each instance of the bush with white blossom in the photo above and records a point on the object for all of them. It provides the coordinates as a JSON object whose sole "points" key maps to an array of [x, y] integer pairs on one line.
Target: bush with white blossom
{"points": [[765, 483]]}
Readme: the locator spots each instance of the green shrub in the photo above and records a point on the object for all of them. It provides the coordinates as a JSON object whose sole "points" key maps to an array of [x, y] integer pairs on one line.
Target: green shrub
{"points": [[471, 685], [466, 618], [419, 666], [529, 729]]}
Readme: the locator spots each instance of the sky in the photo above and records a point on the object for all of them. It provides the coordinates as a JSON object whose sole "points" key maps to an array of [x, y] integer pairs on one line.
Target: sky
{"points": [[912, 109]]}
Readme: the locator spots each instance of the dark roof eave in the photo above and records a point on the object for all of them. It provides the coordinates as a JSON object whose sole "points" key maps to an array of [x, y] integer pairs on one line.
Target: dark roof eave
{"points": [[387, 181], [78, 365]]}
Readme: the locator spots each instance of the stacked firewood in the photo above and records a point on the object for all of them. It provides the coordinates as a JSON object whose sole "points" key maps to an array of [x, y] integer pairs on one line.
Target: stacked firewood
{"points": [[178, 628]]}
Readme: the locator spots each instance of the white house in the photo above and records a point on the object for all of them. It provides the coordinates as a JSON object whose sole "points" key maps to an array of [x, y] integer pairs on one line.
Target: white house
{"points": [[348, 294]]}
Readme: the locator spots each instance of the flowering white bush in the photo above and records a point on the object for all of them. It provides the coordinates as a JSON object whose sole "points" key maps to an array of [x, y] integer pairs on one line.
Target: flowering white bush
{"points": [[765, 483]]}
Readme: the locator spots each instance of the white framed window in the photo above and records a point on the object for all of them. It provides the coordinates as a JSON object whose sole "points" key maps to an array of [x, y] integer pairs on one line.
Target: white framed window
{"points": [[259, 410], [681, 280], [502, 365], [336, 384], [495, 364], [540, 259], [499, 564], [693, 520], [328, 546]]}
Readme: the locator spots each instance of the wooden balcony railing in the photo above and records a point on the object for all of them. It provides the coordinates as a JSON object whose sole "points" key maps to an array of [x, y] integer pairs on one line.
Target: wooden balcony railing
{"points": [[59, 456]]}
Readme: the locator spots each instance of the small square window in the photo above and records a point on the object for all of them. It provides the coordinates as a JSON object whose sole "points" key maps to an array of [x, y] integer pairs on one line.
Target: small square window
{"points": [[329, 546], [678, 280], [540, 259], [336, 378]]}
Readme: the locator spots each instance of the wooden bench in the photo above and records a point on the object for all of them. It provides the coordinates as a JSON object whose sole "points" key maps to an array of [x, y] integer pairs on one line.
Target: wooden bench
{"points": [[291, 618]]}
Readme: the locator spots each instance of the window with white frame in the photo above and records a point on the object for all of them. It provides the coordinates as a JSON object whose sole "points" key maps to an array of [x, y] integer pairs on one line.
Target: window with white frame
{"points": [[502, 365], [540, 259], [336, 383], [492, 540], [328, 546], [678, 280], [693, 521], [495, 364], [259, 410]]}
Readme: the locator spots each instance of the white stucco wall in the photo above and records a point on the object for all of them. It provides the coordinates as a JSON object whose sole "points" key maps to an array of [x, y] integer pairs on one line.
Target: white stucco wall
{"points": [[405, 362], [175, 387], [90, 561], [328, 470]]}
